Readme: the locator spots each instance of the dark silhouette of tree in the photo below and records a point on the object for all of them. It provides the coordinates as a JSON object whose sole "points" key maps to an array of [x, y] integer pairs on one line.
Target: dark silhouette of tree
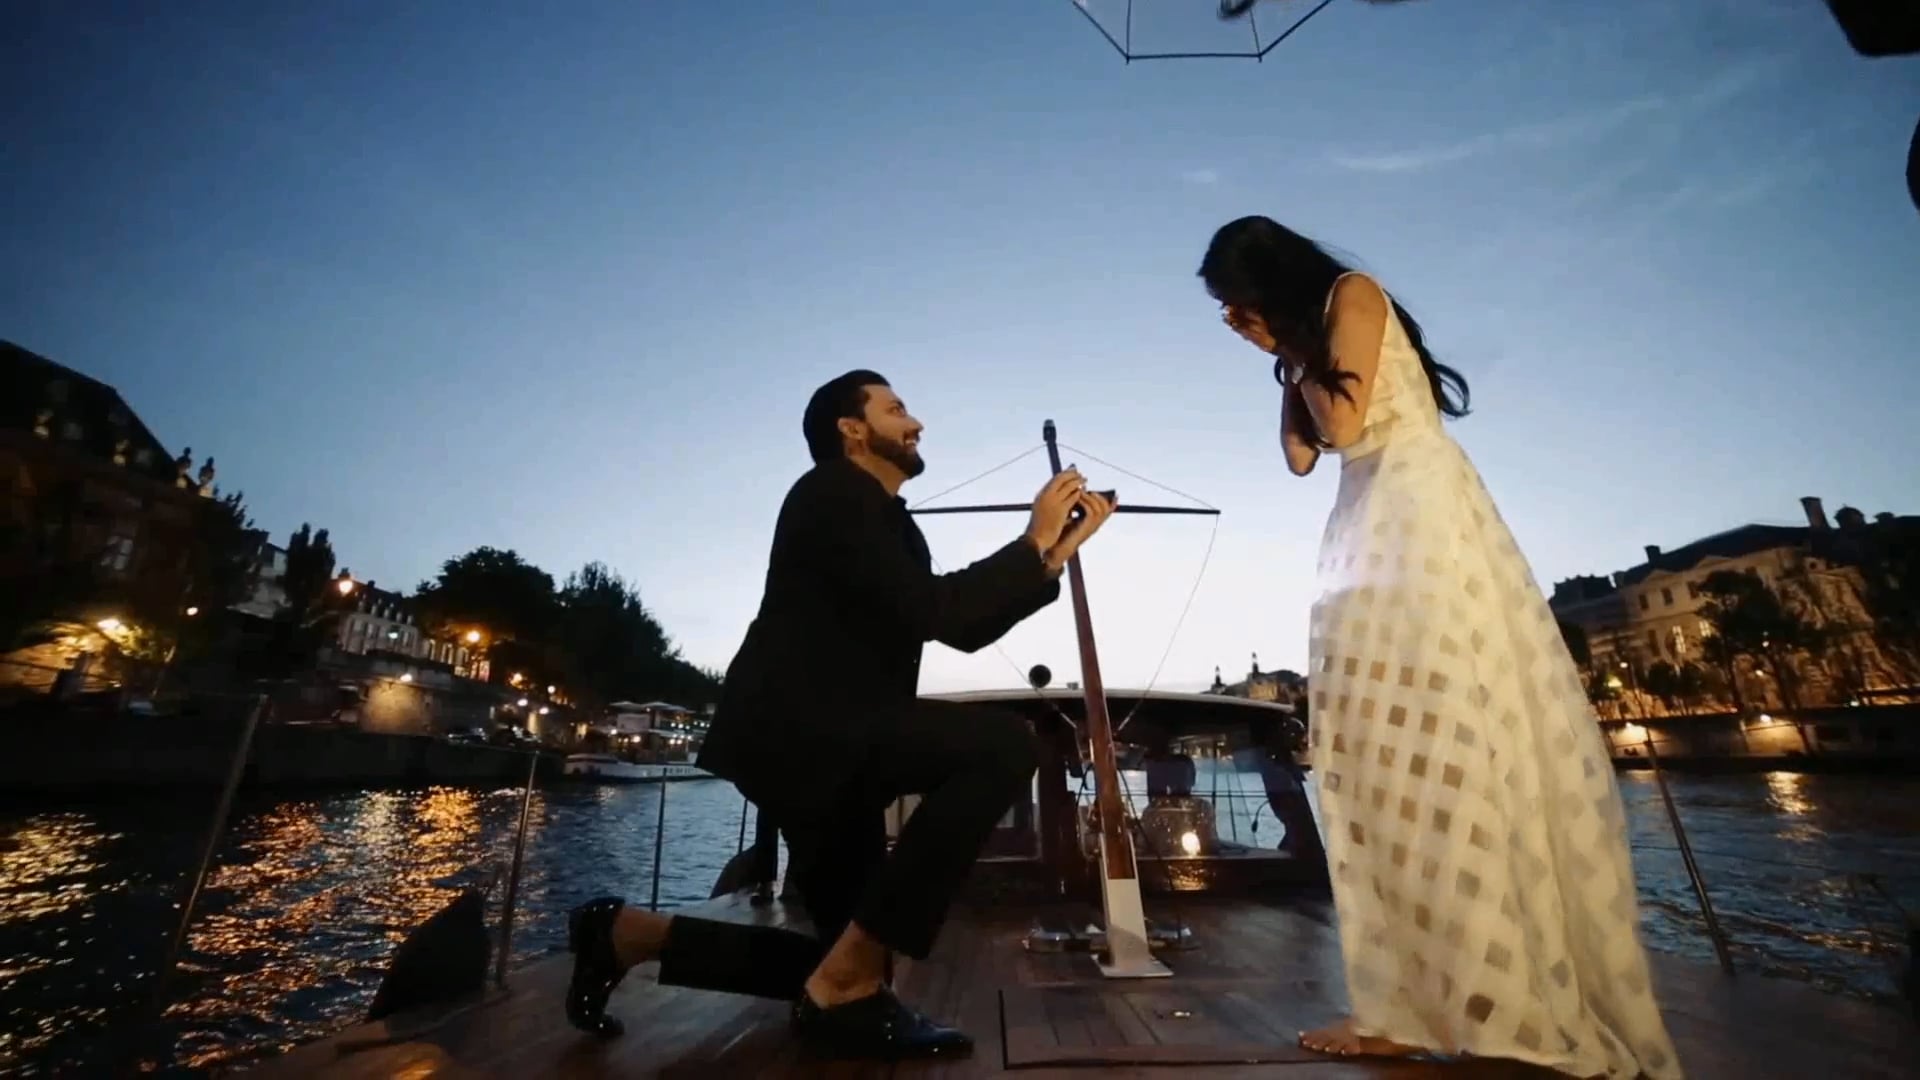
{"points": [[1578, 646], [509, 601], [1723, 656], [1629, 682], [36, 600], [1890, 592], [210, 573], [1601, 691], [1663, 682], [222, 571], [1680, 687], [313, 606], [309, 573], [618, 649], [226, 560], [1691, 686], [1750, 620], [591, 636], [1598, 681]]}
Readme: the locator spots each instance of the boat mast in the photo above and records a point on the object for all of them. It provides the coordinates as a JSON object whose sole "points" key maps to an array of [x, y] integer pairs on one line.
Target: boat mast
{"points": [[1128, 955]]}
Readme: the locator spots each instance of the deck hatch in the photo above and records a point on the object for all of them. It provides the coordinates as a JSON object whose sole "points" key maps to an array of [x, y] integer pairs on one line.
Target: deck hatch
{"points": [[1196, 1022]]}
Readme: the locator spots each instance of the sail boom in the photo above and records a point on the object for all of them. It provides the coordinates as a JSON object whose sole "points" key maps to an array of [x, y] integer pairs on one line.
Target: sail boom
{"points": [[1021, 508]]}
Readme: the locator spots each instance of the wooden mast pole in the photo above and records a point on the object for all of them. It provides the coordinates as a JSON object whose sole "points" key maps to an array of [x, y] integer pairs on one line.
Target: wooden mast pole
{"points": [[1128, 955]]}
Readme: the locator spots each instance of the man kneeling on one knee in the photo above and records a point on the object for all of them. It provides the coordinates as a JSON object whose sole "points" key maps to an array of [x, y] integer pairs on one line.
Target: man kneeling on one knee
{"points": [[821, 725]]}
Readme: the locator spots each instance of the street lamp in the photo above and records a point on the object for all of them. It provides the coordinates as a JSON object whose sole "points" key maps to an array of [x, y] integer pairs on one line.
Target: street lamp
{"points": [[473, 637], [109, 625], [192, 611], [345, 583]]}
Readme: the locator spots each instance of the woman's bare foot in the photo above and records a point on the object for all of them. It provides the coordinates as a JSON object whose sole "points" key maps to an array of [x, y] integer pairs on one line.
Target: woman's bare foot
{"points": [[1340, 1039]]}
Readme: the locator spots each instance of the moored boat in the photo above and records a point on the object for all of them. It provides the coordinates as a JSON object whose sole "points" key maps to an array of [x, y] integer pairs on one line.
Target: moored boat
{"points": [[608, 769]]}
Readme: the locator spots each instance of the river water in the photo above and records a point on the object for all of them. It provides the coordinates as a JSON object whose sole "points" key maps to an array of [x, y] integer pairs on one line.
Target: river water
{"points": [[311, 894]]}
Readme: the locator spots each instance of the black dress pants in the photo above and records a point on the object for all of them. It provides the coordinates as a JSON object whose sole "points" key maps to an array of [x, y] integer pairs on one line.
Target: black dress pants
{"points": [[766, 848], [967, 763]]}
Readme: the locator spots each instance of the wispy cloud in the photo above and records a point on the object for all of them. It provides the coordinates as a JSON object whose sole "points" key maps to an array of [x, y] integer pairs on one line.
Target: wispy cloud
{"points": [[1573, 127], [1726, 84], [1203, 177]]}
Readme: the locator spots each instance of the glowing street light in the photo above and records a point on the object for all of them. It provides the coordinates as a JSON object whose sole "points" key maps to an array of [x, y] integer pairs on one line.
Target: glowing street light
{"points": [[109, 625], [544, 710], [523, 703], [345, 584], [406, 676], [473, 637], [192, 611]]}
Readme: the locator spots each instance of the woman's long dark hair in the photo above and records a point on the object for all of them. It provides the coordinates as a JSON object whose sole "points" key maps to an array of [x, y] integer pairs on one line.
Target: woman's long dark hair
{"points": [[1260, 265]]}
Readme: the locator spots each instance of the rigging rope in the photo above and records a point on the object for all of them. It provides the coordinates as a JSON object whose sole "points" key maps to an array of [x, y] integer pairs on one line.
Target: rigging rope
{"points": [[1192, 592], [1022, 456], [1177, 625], [1021, 675], [1016, 459], [1136, 476]]}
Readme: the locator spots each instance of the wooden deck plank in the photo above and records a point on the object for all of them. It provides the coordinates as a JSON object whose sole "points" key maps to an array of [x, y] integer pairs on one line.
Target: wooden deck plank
{"points": [[1101, 1028], [945, 985], [1260, 974], [1151, 1024], [1067, 1018], [1133, 1031]]}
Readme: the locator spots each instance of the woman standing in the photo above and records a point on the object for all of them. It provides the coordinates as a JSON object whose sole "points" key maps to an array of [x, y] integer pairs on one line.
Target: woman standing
{"points": [[1475, 834]]}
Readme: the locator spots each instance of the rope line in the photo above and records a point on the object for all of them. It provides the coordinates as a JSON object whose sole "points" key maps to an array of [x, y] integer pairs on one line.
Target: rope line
{"points": [[1186, 609], [1136, 476], [1178, 623], [1022, 675], [1024, 455]]}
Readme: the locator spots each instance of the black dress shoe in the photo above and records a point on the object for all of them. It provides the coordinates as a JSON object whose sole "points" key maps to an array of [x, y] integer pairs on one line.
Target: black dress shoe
{"points": [[876, 1027], [596, 969]]}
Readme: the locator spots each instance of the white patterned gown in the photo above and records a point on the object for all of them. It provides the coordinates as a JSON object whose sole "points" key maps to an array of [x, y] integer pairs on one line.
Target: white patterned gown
{"points": [[1474, 830]]}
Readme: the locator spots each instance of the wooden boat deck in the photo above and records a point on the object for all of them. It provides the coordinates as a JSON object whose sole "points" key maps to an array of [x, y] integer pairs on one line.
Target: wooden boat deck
{"points": [[1257, 975]]}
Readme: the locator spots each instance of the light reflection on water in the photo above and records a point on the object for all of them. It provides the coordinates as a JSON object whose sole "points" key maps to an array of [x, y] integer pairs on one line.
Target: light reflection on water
{"points": [[310, 895]]}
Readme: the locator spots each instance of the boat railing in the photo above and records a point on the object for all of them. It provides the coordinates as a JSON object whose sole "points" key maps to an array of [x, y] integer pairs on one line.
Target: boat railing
{"points": [[216, 830], [1233, 798]]}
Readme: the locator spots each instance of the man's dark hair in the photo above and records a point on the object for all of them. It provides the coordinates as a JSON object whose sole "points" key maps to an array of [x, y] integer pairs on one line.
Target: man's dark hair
{"points": [[843, 398]]}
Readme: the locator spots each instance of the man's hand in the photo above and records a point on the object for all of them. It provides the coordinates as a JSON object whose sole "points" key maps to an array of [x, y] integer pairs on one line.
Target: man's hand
{"points": [[1051, 508], [1095, 510]]}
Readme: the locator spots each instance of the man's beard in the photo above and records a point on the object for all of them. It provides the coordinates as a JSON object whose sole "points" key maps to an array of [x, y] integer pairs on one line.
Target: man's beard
{"points": [[898, 454]]}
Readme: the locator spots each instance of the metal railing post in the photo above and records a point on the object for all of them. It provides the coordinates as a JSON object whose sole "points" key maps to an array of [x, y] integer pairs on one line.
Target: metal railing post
{"points": [[215, 829], [511, 900], [1686, 856], [659, 833]]}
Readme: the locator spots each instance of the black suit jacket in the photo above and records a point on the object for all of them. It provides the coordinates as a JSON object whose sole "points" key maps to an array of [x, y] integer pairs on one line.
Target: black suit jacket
{"points": [[851, 599]]}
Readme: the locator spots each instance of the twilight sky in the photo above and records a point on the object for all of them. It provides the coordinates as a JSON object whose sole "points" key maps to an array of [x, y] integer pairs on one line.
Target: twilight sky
{"points": [[463, 273]]}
